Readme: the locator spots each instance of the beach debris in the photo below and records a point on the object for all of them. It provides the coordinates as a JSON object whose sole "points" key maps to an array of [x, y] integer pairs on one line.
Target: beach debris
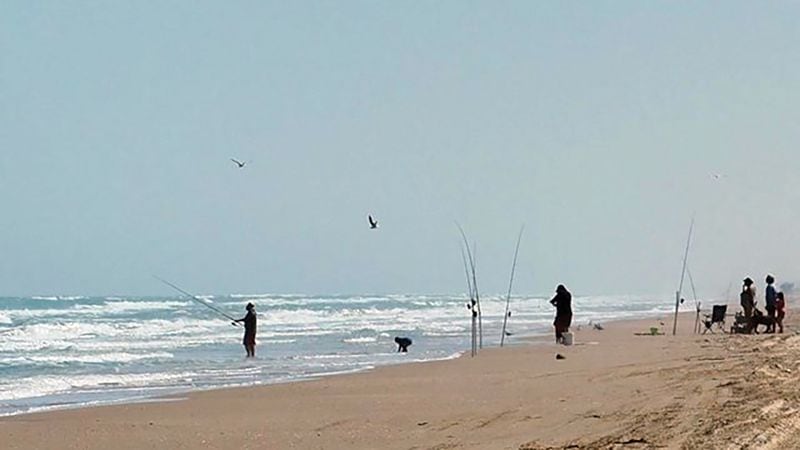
{"points": [[633, 440], [422, 424], [598, 327], [560, 356], [239, 164], [654, 331], [373, 224]]}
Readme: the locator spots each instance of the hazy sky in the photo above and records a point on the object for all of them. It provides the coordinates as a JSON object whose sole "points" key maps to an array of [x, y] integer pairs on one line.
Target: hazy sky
{"points": [[597, 124]]}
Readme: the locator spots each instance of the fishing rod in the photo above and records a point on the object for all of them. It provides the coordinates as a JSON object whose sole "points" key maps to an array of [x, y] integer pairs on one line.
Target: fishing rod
{"points": [[696, 301], [470, 305], [477, 296], [511, 283], [466, 272], [213, 308], [474, 285], [683, 274]]}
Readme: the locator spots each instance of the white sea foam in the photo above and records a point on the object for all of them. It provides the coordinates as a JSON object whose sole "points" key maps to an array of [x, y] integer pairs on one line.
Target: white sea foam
{"points": [[41, 385], [150, 334], [279, 341], [121, 357], [340, 372], [360, 340], [60, 298], [124, 306]]}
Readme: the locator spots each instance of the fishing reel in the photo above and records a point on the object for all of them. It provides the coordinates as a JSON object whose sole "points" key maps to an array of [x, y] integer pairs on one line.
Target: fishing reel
{"points": [[472, 307]]}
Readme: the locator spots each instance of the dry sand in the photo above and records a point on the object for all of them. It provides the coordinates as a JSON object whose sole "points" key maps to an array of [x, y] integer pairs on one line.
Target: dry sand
{"points": [[613, 390]]}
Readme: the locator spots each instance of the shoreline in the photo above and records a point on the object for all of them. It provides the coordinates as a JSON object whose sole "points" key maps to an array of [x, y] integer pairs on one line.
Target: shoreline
{"points": [[168, 394], [384, 406], [67, 358]]}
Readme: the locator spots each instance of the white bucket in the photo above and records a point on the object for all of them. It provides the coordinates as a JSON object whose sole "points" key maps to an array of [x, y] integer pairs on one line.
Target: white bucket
{"points": [[567, 338]]}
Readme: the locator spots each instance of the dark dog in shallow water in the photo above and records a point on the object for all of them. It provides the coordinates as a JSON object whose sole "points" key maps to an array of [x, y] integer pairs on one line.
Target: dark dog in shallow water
{"points": [[402, 343], [760, 319]]}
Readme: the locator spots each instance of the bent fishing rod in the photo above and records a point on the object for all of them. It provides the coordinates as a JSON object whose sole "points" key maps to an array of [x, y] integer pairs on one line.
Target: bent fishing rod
{"points": [[213, 308]]}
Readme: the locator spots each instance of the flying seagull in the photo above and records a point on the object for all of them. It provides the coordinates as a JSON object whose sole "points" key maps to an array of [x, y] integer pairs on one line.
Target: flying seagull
{"points": [[239, 163], [372, 222]]}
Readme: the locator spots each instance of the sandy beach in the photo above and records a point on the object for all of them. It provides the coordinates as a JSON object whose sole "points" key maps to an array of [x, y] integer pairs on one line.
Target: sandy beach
{"points": [[614, 389]]}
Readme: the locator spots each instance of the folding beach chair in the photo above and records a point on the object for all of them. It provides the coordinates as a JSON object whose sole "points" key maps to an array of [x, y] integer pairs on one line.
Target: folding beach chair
{"points": [[717, 318]]}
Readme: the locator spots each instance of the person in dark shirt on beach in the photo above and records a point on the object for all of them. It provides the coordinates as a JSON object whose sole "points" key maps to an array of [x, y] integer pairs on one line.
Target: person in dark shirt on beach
{"points": [[249, 330], [770, 297], [563, 303], [748, 300], [780, 310]]}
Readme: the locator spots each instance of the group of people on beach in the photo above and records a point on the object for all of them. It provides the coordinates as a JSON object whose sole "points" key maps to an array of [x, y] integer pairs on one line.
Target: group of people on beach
{"points": [[774, 304], [562, 302]]}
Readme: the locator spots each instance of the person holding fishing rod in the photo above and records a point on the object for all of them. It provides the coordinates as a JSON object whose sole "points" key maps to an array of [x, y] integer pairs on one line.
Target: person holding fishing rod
{"points": [[249, 321]]}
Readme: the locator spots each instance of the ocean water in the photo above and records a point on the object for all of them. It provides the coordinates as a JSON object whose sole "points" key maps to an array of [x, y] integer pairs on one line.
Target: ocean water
{"points": [[58, 352]]}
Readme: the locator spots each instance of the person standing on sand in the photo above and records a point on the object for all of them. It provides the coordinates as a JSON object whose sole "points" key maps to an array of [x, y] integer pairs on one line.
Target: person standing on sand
{"points": [[748, 299], [780, 309], [770, 297], [249, 330], [563, 303]]}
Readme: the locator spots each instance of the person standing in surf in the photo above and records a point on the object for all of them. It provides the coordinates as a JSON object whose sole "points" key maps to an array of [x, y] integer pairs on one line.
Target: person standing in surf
{"points": [[563, 303], [249, 320]]}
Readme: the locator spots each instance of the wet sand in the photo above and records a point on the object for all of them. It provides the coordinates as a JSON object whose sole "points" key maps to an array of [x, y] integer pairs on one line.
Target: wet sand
{"points": [[615, 389]]}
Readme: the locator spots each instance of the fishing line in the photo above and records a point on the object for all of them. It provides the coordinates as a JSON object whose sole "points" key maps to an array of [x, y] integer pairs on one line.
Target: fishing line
{"points": [[213, 308]]}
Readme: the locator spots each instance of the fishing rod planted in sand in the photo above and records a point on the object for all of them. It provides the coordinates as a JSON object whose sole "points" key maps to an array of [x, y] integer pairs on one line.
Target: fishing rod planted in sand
{"points": [[683, 275], [696, 301], [193, 297], [511, 283], [470, 305], [474, 285]]}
